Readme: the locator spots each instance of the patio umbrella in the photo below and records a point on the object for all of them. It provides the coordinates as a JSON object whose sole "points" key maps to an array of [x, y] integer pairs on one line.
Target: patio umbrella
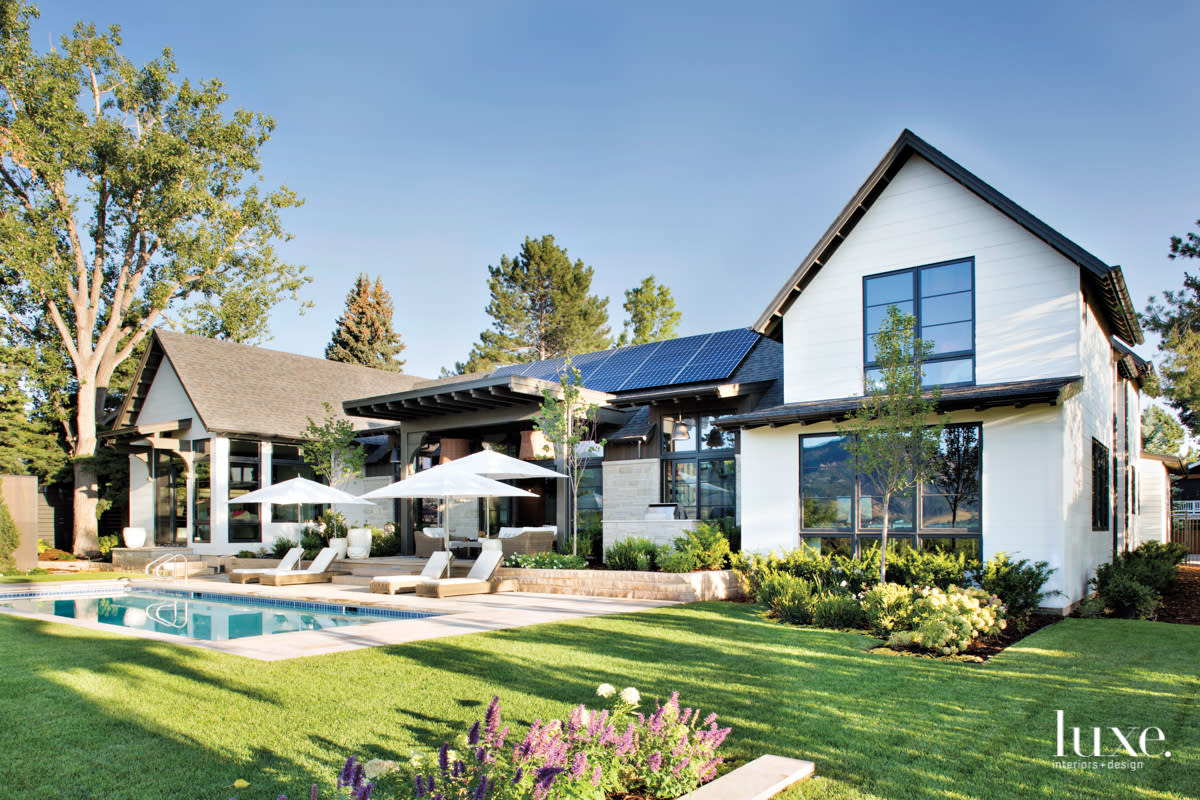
{"points": [[445, 483], [297, 491], [500, 467]]}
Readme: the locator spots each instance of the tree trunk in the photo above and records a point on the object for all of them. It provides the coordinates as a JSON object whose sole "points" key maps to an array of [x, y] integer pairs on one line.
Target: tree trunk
{"points": [[887, 504], [87, 495]]}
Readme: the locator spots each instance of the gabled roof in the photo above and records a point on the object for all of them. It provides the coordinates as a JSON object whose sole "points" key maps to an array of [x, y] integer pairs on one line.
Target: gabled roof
{"points": [[254, 391], [1105, 285]]}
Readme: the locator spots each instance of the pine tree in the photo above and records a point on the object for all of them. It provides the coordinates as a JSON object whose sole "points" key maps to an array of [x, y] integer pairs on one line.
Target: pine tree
{"points": [[652, 314], [541, 308], [364, 334]]}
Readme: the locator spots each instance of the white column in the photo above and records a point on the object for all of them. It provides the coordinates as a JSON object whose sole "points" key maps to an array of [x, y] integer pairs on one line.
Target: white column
{"points": [[219, 479]]}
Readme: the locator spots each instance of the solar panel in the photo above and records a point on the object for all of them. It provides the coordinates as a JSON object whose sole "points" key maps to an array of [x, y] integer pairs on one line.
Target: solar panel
{"points": [[619, 366], [691, 359], [719, 356], [665, 362]]}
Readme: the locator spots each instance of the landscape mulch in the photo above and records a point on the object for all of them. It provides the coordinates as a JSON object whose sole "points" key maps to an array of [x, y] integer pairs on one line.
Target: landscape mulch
{"points": [[1181, 604]]}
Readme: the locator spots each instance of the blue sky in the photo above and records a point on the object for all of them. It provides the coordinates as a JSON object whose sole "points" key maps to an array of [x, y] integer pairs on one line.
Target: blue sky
{"points": [[707, 143]]}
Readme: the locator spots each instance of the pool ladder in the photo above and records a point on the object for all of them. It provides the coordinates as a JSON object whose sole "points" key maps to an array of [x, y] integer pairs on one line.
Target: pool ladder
{"points": [[157, 568], [155, 612]]}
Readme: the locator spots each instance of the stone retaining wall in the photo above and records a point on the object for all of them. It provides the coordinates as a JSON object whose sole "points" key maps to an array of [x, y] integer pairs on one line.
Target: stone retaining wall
{"points": [[681, 587]]}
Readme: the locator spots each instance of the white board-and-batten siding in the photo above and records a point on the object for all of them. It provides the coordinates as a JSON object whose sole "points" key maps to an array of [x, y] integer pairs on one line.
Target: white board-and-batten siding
{"points": [[1027, 298]]}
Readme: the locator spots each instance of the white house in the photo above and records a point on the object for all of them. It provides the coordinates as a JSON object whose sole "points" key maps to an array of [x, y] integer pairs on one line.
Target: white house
{"points": [[1031, 338]]}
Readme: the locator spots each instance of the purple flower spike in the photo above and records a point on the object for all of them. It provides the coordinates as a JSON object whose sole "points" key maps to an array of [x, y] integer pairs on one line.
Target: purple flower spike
{"points": [[520, 773], [493, 717], [481, 755], [347, 773], [364, 792], [473, 736], [500, 739], [312, 795], [654, 762], [597, 774], [481, 789], [444, 758], [580, 765]]}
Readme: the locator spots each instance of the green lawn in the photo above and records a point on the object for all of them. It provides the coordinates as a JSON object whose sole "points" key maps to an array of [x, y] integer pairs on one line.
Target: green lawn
{"points": [[92, 715], [67, 576]]}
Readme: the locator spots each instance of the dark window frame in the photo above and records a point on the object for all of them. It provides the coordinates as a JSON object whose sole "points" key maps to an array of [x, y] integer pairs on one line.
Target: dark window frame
{"points": [[668, 458], [1101, 487], [919, 533], [244, 461], [916, 271]]}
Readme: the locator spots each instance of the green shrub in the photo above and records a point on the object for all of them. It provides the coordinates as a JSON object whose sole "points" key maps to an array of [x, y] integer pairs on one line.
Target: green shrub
{"points": [[1121, 593], [678, 561], [42, 546], [789, 597], [246, 554], [12, 572], [313, 542], [855, 573], [10, 539], [106, 544], [1018, 584], [638, 554], [38, 571], [280, 547], [1154, 564], [385, 544], [751, 569], [888, 608], [545, 561], [908, 566], [835, 610], [947, 622], [707, 545]]}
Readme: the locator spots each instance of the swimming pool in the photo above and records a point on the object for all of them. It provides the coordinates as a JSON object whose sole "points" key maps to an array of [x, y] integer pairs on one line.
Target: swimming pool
{"points": [[201, 616]]}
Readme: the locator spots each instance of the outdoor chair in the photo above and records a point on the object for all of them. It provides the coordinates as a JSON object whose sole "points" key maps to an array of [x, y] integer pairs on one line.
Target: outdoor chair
{"points": [[437, 566], [527, 540], [287, 563], [428, 541], [317, 571], [478, 581]]}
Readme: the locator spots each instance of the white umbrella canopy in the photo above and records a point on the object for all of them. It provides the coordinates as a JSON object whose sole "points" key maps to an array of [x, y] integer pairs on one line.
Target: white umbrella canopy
{"points": [[446, 483], [498, 466], [297, 491]]}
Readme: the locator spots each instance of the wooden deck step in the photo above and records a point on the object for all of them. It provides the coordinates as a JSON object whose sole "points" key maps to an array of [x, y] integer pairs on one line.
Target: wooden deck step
{"points": [[764, 777]]}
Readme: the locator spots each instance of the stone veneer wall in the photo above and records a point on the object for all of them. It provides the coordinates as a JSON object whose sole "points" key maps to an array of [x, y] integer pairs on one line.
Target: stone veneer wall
{"points": [[630, 486], [686, 587], [659, 531]]}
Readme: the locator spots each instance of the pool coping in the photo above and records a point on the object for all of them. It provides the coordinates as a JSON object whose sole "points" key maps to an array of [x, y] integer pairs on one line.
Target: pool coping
{"points": [[457, 616]]}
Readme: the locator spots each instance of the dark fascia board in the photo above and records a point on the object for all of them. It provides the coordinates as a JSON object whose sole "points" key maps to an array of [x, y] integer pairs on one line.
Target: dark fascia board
{"points": [[139, 431], [1110, 280], [517, 384], [712, 389], [1019, 393], [1174, 464]]}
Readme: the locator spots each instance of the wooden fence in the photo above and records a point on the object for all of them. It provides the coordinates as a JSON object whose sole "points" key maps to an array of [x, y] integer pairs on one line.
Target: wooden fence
{"points": [[1185, 529]]}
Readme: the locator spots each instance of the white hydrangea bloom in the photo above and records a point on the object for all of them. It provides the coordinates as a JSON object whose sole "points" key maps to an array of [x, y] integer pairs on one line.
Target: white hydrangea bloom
{"points": [[630, 695], [606, 690]]}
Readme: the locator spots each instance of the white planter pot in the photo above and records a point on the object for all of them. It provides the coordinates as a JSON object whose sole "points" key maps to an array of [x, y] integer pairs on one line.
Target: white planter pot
{"points": [[340, 545], [134, 537], [359, 543]]}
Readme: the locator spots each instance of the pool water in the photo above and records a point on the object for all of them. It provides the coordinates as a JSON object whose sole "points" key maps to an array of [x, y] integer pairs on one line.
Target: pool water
{"points": [[204, 616]]}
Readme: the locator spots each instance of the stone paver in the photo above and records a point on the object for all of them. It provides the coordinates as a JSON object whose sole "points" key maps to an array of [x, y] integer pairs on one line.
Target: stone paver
{"points": [[469, 614]]}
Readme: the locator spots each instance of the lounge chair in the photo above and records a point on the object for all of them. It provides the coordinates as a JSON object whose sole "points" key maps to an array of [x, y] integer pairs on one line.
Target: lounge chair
{"points": [[316, 572], [478, 581], [437, 566], [288, 562], [527, 540]]}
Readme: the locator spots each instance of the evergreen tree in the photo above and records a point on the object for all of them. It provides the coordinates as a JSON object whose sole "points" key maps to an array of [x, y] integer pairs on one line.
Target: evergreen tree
{"points": [[652, 314], [1163, 435], [364, 334], [541, 308], [1176, 320]]}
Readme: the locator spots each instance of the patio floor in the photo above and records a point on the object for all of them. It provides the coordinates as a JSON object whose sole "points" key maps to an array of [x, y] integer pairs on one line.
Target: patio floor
{"points": [[458, 615]]}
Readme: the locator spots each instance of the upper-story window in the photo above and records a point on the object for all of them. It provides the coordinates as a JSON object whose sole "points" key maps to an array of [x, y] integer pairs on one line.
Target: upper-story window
{"points": [[942, 299], [700, 471]]}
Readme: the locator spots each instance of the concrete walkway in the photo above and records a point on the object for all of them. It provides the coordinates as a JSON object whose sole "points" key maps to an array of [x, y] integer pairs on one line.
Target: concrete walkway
{"points": [[468, 614]]}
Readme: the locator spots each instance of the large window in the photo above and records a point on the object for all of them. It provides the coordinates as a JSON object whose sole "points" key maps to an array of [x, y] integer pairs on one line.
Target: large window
{"points": [[942, 299], [244, 477], [285, 465], [1100, 487], [841, 510], [699, 471]]}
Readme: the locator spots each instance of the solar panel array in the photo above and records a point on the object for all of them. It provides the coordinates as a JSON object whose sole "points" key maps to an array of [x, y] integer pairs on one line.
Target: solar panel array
{"points": [[691, 359]]}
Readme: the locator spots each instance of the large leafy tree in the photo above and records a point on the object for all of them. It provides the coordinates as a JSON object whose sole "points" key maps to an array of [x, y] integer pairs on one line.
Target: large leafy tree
{"points": [[122, 194], [541, 307], [652, 314], [894, 434], [1176, 320], [1162, 434], [364, 333]]}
